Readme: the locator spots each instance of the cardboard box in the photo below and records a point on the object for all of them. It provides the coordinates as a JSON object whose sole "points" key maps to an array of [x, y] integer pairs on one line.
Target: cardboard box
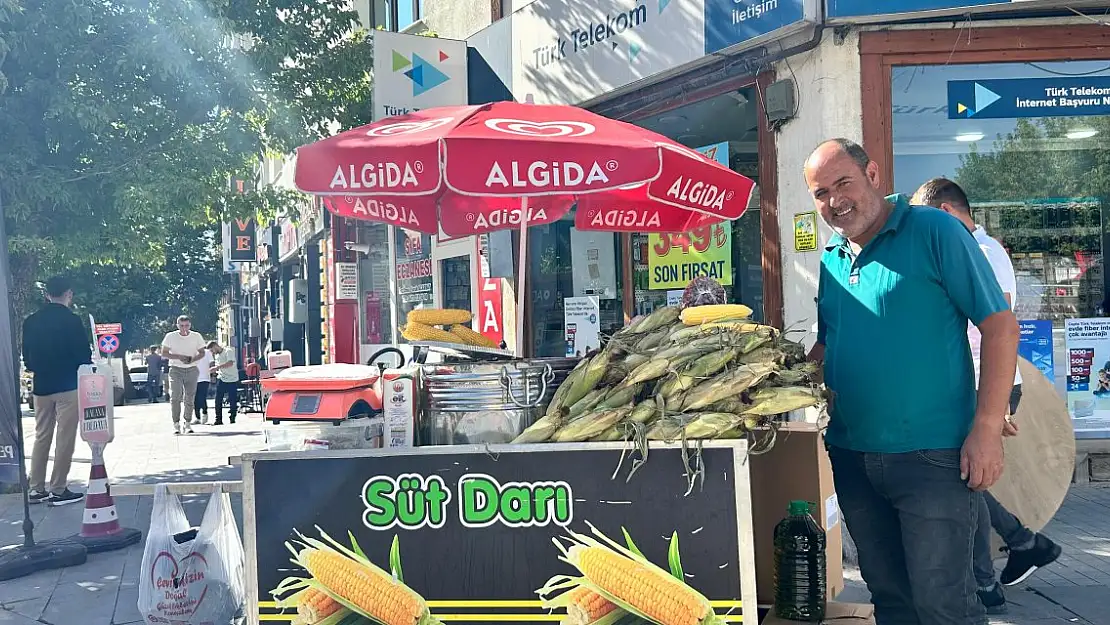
{"points": [[835, 614], [797, 467]]}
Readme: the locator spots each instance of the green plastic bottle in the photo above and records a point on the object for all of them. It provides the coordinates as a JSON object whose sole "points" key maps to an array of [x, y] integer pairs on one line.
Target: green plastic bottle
{"points": [[799, 566]]}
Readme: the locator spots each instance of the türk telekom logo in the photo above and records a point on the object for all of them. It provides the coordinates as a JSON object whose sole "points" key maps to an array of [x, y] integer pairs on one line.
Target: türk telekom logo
{"points": [[540, 129], [408, 128]]}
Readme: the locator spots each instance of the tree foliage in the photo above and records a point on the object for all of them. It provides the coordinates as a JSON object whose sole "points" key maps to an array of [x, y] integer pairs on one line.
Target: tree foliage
{"points": [[122, 121]]}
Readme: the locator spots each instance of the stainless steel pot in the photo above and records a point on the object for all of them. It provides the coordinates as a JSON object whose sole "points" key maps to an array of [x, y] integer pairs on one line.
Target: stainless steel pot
{"points": [[491, 402]]}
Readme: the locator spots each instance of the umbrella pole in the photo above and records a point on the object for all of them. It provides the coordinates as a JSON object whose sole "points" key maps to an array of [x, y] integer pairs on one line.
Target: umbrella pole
{"points": [[521, 279]]}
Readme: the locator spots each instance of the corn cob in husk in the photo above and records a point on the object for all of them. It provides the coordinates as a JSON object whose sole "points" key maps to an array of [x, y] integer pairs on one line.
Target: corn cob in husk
{"points": [[775, 400], [724, 385], [590, 425], [703, 425]]}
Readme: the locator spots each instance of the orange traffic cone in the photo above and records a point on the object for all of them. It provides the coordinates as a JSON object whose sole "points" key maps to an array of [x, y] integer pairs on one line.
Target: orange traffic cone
{"points": [[100, 527]]}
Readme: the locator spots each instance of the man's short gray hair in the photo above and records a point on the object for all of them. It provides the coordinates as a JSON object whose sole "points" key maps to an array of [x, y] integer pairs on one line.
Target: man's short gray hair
{"points": [[854, 150]]}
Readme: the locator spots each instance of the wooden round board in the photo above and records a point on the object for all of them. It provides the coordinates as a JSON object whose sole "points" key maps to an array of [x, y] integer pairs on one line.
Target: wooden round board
{"points": [[1040, 460]]}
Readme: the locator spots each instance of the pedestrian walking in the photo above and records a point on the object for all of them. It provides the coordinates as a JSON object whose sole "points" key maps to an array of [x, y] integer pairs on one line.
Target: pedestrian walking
{"points": [[911, 444], [204, 381], [55, 344], [183, 348], [1027, 550], [227, 382], [153, 374]]}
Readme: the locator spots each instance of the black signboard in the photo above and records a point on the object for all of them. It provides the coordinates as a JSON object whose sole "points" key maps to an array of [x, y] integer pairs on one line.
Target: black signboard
{"points": [[472, 528], [244, 241]]}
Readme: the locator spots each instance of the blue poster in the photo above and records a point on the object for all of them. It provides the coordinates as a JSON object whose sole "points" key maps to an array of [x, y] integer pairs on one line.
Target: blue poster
{"points": [[729, 22], [1036, 345], [716, 151], [858, 8], [1065, 96]]}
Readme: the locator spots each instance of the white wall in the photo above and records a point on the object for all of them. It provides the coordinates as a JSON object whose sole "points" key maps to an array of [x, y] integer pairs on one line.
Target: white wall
{"points": [[828, 95], [456, 19]]}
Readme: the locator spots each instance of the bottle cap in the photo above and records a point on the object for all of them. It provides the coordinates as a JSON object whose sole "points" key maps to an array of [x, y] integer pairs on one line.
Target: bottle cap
{"points": [[799, 508]]}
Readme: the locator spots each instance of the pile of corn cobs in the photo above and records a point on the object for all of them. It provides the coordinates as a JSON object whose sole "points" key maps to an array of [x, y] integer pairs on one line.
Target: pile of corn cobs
{"points": [[703, 372]]}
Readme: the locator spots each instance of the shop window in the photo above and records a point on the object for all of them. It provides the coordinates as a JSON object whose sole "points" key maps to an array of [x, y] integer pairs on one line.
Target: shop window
{"points": [[565, 263], [414, 271], [1035, 172], [456, 283], [396, 15], [373, 283], [724, 127]]}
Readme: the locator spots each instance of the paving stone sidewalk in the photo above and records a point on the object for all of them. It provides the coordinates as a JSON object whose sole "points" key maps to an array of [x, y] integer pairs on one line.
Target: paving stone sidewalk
{"points": [[104, 591]]}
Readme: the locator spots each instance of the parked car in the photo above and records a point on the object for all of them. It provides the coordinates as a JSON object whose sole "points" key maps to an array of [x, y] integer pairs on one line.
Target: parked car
{"points": [[26, 389], [138, 377]]}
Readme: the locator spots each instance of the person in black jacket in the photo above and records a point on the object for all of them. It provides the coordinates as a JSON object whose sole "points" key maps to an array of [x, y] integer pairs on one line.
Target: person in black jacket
{"points": [[55, 344]]}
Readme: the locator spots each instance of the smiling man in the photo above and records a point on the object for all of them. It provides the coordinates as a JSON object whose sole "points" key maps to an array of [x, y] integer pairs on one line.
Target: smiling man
{"points": [[911, 443]]}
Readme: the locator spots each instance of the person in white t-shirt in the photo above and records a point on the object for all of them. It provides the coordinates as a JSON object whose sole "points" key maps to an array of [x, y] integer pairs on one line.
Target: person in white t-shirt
{"points": [[183, 349], [204, 381], [1028, 550]]}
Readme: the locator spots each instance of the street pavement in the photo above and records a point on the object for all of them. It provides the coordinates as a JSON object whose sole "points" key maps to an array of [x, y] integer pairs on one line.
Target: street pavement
{"points": [[104, 591]]}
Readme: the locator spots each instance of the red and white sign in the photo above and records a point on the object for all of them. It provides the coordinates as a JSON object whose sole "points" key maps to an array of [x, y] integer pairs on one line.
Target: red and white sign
{"points": [[108, 328], [483, 215], [94, 405], [490, 321], [415, 213]]}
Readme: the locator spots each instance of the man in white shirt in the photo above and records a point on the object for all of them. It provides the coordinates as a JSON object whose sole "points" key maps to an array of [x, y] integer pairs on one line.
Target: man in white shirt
{"points": [[1028, 551], [183, 349], [204, 381], [227, 384]]}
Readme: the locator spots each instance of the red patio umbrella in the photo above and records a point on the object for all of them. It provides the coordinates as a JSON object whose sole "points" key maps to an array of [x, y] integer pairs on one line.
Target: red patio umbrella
{"points": [[476, 169]]}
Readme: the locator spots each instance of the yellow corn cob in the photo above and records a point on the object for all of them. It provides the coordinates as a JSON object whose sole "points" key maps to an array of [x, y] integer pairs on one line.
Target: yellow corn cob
{"points": [[696, 315], [661, 598], [415, 331], [316, 606], [439, 316], [384, 599], [585, 606], [470, 337]]}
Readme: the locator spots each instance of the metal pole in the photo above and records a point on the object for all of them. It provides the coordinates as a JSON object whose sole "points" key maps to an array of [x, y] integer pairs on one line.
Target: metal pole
{"points": [[9, 392]]}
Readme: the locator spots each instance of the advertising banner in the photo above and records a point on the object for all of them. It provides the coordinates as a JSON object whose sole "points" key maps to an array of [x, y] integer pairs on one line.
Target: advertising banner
{"points": [[466, 533], [490, 321], [582, 324], [732, 22], [1088, 384], [1036, 345], [1005, 98], [413, 72], [413, 271], [571, 52], [676, 259]]}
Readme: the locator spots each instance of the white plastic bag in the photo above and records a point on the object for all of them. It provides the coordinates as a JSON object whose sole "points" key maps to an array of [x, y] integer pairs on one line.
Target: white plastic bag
{"points": [[196, 582]]}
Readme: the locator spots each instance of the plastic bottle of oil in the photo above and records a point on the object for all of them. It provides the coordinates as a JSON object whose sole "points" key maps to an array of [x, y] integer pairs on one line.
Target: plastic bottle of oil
{"points": [[799, 566]]}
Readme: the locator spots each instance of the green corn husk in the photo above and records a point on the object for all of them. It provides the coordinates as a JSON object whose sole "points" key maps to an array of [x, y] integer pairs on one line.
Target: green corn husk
{"points": [[682, 333], [761, 355], [615, 433], [619, 396], [728, 384], [733, 404], [632, 361], [752, 340], [664, 316], [541, 431], [615, 375], [800, 374], [590, 425], [590, 378], [711, 363], [652, 340], [674, 385], [650, 370], [559, 398], [775, 400], [644, 411], [705, 425], [587, 403]]}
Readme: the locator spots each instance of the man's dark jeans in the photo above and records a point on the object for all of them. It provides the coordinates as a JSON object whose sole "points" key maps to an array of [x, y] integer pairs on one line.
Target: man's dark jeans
{"points": [[153, 386], [914, 522], [1009, 528]]}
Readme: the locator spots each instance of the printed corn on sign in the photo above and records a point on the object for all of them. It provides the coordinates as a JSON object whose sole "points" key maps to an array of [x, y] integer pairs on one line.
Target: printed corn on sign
{"points": [[677, 258], [509, 535]]}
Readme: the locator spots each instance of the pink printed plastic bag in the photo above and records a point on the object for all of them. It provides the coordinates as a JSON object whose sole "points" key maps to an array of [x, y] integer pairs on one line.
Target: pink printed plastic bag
{"points": [[198, 581]]}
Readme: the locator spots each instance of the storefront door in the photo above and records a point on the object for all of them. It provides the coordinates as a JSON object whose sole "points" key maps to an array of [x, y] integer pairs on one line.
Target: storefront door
{"points": [[455, 274]]}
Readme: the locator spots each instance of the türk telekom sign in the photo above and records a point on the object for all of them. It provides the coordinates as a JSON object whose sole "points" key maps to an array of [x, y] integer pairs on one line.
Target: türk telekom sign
{"points": [[413, 73]]}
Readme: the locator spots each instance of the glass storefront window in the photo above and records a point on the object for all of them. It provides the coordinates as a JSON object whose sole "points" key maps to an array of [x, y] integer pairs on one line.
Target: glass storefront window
{"points": [[414, 272], [373, 284], [724, 127], [1035, 174], [564, 262], [456, 282]]}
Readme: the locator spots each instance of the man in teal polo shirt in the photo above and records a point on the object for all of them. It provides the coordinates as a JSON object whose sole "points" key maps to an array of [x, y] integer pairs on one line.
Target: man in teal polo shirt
{"points": [[911, 443]]}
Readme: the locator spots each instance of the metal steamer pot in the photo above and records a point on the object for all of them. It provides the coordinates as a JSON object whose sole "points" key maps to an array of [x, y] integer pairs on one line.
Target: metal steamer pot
{"points": [[472, 403]]}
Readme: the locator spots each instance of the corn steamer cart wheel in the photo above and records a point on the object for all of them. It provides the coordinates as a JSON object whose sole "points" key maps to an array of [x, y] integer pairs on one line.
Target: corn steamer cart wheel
{"points": [[334, 393]]}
